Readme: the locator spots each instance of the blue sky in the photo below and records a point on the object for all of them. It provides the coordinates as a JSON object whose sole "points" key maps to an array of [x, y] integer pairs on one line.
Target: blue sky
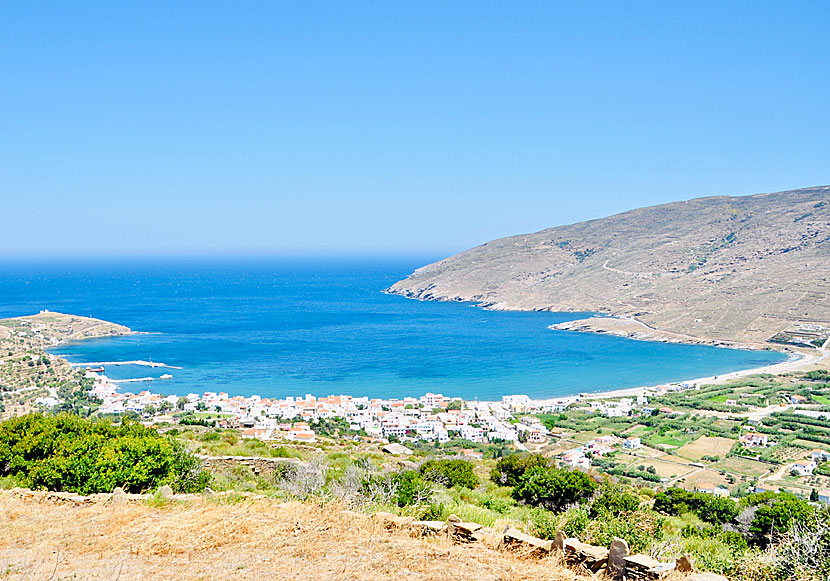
{"points": [[391, 127]]}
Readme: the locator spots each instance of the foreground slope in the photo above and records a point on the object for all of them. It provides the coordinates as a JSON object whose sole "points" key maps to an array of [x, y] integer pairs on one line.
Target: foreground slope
{"points": [[736, 269], [249, 539]]}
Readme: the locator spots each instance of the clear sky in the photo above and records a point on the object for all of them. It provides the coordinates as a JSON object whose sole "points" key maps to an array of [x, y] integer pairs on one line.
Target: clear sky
{"points": [[391, 127]]}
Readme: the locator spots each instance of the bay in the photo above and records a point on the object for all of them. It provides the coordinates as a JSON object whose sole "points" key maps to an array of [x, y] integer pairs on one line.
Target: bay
{"points": [[279, 327]]}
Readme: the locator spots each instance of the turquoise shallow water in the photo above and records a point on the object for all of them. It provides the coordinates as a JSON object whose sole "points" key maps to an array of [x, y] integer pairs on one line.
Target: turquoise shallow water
{"points": [[291, 327]]}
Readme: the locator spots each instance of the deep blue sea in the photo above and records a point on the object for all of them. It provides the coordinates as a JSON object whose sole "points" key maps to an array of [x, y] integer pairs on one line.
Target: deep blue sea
{"points": [[280, 327]]}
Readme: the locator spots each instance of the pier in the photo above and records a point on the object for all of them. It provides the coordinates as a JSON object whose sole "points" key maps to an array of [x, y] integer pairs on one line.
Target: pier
{"points": [[137, 362]]}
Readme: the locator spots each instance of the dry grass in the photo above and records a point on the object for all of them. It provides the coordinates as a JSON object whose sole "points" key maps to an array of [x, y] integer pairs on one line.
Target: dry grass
{"points": [[251, 539], [707, 446]]}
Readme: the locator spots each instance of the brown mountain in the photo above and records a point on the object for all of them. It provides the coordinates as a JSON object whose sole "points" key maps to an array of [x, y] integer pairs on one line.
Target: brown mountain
{"points": [[718, 268]]}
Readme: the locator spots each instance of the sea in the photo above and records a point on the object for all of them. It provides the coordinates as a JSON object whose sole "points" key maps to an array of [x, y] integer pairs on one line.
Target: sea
{"points": [[281, 327]]}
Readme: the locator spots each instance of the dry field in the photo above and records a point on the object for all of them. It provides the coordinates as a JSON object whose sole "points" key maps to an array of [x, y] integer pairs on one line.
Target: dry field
{"points": [[744, 466], [250, 539], [666, 468], [706, 446], [707, 477]]}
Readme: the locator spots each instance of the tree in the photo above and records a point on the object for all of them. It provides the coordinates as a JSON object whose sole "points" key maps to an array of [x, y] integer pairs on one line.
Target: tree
{"points": [[509, 469], [450, 473], [553, 488], [716, 509], [778, 515], [180, 403], [405, 487], [814, 495], [454, 405]]}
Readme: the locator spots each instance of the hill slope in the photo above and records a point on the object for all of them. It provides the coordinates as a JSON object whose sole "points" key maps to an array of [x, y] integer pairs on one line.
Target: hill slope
{"points": [[720, 268], [250, 539]]}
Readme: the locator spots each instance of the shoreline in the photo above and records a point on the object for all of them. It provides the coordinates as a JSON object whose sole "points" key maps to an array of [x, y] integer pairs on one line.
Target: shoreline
{"points": [[798, 359]]}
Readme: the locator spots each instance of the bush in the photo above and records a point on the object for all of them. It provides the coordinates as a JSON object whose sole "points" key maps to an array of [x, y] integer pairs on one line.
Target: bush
{"points": [[509, 470], [545, 524], [450, 473], [411, 488], [553, 488], [404, 488], [716, 509], [804, 551], [710, 508], [638, 528], [614, 500], [778, 515], [69, 453]]}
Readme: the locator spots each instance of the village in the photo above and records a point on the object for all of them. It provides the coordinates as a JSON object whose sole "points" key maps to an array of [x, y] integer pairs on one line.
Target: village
{"points": [[635, 436]]}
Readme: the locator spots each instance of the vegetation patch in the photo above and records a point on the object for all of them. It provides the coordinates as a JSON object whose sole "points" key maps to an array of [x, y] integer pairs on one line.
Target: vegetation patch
{"points": [[69, 453]]}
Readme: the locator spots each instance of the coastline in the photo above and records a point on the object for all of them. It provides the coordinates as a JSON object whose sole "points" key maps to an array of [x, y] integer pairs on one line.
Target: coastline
{"points": [[799, 358]]}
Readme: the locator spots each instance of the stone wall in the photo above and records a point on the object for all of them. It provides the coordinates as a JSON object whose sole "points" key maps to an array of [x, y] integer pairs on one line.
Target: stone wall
{"points": [[258, 465]]}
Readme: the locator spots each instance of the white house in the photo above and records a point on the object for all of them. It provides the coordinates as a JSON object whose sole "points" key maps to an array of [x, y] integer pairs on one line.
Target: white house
{"points": [[632, 443], [472, 434], [576, 459], [707, 488], [804, 468], [820, 456], [755, 440]]}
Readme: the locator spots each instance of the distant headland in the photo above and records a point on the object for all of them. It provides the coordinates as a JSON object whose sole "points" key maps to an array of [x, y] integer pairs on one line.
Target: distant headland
{"points": [[733, 271]]}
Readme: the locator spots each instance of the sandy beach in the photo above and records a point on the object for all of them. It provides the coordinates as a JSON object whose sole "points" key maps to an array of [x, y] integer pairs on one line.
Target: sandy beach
{"points": [[799, 360]]}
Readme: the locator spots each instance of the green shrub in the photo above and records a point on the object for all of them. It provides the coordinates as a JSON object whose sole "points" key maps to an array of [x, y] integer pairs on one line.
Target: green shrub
{"points": [[778, 515], [639, 528], [404, 488], [545, 524], [553, 488], [450, 473], [497, 504], [716, 509], [710, 508], [70, 453], [614, 500], [411, 488], [509, 470]]}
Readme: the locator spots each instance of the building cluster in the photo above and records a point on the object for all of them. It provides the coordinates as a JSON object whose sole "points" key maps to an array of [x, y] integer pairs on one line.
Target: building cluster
{"points": [[431, 417], [580, 457]]}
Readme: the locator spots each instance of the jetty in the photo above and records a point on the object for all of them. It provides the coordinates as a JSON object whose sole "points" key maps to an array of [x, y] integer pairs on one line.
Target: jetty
{"points": [[137, 362]]}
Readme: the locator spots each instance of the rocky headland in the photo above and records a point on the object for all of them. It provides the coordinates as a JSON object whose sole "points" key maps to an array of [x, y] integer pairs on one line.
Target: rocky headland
{"points": [[718, 270]]}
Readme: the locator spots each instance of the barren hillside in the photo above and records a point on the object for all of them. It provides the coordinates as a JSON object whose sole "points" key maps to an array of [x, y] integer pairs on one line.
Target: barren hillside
{"points": [[719, 268], [243, 539]]}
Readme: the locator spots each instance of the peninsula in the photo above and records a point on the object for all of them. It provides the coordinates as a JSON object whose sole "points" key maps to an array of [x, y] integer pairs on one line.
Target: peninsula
{"points": [[718, 270], [28, 373]]}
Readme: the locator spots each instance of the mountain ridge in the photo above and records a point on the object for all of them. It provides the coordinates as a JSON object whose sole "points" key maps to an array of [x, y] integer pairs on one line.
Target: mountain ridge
{"points": [[728, 269]]}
